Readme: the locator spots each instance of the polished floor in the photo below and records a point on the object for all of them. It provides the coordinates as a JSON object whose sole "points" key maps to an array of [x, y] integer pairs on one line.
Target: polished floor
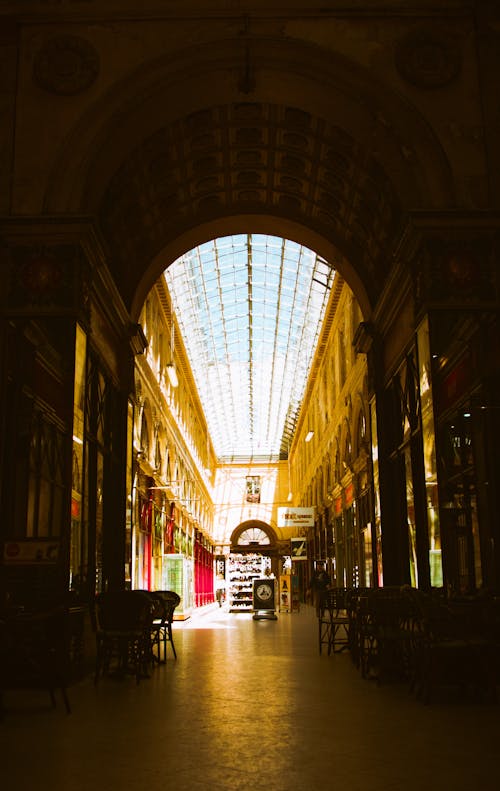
{"points": [[249, 705]]}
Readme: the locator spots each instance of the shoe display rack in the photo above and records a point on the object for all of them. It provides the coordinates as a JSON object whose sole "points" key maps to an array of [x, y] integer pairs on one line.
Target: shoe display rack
{"points": [[242, 570]]}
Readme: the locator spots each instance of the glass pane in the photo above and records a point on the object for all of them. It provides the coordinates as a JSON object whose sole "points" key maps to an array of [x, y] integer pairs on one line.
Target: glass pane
{"points": [[250, 309], [78, 559], [99, 581], [430, 466], [410, 509], [378, 524]]}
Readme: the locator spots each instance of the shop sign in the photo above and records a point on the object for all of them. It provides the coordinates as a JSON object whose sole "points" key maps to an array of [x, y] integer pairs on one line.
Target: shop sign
{"points": [[456, 383], [349, 495], [285, 593], [264, 595], [298, 548], [31, 552], [296, 517]]}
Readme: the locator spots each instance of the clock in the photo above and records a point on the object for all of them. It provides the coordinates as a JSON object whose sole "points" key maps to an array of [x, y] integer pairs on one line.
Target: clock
{"points": [[264, 599], [264, 591]]}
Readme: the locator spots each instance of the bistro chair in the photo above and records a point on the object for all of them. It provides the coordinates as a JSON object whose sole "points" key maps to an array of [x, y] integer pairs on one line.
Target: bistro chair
{"points": [[123, 635], [353, 604], [171, 601], [333, 620], [34, 653], [157, 619], [386, 633], [449, 653]]}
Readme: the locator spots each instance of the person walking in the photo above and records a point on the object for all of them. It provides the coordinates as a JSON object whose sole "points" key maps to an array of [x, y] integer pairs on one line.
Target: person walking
{"points": [[220, 589]]}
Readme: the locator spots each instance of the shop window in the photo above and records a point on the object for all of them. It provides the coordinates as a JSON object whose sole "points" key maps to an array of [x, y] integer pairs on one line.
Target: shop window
{"points": [[158, 459], [342, 359], [79, 526], [46, 502], [144, 441]]}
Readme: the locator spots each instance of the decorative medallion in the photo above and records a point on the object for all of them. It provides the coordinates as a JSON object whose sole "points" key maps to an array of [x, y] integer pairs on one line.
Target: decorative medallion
{"points": [[462, 270], [66, 65], [41, 275], [427, 59], [44, 279]]}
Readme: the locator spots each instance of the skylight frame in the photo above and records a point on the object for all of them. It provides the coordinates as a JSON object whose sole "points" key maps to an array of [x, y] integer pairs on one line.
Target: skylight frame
{"points": [[250, 308]]}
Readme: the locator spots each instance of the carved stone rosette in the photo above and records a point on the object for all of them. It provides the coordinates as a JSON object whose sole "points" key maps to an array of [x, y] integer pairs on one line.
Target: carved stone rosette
{"points": [[66, 65]]}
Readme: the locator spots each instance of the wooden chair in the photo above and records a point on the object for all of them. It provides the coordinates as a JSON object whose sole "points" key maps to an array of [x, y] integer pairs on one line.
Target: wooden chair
{"points": [[354, 598], [170, 600], [449, 653], [34, 653], [386, 633], [157, 618], [333, 620], [123, 636]]}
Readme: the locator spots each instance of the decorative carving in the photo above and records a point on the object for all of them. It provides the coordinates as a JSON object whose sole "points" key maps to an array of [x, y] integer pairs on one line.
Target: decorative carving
{"points": [[44, 279], [66, 65], [427, 59], [252, 156], [455, 272]]}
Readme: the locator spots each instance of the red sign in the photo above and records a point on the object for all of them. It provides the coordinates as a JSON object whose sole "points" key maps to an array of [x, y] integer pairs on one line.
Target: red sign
{"points": [[349, 494]]}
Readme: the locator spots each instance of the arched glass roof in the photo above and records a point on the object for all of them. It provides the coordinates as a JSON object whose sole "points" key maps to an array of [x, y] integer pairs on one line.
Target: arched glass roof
{"points": [[250, 308]]}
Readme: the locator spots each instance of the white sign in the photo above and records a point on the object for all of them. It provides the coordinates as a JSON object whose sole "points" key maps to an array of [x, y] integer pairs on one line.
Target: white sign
{"points": [[31, 551], [296, 517]]}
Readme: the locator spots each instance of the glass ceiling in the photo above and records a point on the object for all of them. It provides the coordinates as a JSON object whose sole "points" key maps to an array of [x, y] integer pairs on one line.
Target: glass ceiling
{"points": [[250, 308]]}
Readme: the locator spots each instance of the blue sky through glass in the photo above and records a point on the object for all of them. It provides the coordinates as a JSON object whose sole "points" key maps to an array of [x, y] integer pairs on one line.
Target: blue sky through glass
{"points": [[250, 308]]}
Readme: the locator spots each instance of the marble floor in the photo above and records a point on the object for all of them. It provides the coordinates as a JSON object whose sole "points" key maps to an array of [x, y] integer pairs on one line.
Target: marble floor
{"points": [[248, 706]]}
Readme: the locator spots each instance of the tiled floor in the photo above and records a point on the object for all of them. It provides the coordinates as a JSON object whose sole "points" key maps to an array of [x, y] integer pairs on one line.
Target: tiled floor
{"points": [[249, 706]]}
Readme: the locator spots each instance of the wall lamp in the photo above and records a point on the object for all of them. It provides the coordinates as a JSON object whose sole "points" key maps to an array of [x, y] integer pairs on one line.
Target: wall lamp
{"points": [[172, 374]]}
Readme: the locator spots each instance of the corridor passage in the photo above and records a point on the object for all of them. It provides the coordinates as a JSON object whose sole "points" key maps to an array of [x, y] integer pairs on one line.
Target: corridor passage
{"points": [[248, 706]]}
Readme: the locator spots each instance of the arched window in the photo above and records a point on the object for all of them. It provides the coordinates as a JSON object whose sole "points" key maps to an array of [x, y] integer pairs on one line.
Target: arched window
{"points": [[253, 535], [360, 431], [144, 435]]}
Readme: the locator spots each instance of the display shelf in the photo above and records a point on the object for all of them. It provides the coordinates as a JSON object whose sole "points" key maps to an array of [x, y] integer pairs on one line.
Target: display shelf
{"points": [[243, 568]]}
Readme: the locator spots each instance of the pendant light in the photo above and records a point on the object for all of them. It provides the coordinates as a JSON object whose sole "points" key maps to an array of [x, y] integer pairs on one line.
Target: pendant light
{"points": [[171, 372]]}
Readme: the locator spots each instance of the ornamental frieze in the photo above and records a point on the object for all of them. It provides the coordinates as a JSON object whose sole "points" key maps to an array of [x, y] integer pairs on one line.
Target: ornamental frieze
{"points": [[44, 280], [427, 59], [456, 272], [66, 65]]}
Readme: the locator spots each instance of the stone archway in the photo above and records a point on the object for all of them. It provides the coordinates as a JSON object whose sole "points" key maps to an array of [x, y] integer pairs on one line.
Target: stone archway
{"points": [[254, 535], [253, 160], [310, 149]]}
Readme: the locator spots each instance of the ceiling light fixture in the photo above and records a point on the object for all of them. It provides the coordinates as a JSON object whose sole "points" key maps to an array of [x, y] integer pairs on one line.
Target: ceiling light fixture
{"points": [[309, 436]]}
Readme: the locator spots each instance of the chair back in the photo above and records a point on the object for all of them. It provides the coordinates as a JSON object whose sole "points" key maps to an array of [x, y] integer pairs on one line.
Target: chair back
{"points": [[157, 605], [333, 600], [391, 607], [171, 600], [123, 610]]}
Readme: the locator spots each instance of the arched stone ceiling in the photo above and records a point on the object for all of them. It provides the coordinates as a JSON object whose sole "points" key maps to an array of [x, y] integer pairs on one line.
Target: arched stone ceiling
{"points": [[309, 140], [252, 158]]}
